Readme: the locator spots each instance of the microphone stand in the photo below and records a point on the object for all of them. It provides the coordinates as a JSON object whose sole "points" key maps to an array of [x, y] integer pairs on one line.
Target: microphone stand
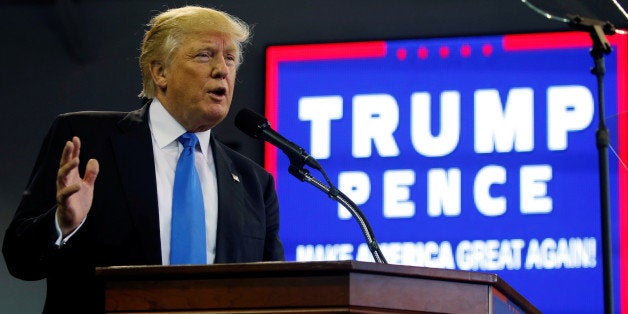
{"points": [[297, 170], [598, 30]]}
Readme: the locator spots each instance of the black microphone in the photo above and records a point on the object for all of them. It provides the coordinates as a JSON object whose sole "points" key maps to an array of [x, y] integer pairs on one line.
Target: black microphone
{"points": [[257, 126]]}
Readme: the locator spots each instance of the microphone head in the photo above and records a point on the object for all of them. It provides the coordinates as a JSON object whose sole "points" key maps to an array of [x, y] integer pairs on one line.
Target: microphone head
{"points": [[251, 123]]}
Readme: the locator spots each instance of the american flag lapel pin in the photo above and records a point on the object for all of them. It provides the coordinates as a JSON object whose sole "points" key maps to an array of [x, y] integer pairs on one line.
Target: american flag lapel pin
{"points": [[235, 177]]}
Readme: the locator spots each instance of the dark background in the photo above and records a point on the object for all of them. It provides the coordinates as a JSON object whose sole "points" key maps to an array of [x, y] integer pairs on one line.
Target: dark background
{"points": [[60, 56]]}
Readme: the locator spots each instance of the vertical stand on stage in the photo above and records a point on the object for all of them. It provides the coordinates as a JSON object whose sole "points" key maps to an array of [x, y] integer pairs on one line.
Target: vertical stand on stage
{"points": [[598, 31]]}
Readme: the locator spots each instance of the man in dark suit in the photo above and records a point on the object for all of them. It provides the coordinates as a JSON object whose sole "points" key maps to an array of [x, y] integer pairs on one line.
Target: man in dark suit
{"points": [[118, 210]]}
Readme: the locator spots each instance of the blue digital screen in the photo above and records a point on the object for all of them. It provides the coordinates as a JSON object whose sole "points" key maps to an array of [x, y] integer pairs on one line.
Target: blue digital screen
{"points": [[469, 153]]}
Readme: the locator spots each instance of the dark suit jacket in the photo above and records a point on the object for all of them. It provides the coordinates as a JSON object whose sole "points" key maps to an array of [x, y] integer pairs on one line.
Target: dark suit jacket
{"points": [[122, 227]]}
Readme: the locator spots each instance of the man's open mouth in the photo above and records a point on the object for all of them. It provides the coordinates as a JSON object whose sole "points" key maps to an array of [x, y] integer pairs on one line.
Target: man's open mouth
{"points": [[221, 91]]}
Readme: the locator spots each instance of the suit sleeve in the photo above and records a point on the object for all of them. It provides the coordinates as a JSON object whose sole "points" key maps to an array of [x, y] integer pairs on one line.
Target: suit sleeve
{"points": [[28, 245]]}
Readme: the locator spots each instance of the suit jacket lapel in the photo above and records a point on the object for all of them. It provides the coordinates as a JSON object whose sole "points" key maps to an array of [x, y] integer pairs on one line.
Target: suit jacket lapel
{"points": [[134, 155]]}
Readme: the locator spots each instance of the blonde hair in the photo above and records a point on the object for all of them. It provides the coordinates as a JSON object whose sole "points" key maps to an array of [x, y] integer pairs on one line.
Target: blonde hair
{"points": [[169, 29]]}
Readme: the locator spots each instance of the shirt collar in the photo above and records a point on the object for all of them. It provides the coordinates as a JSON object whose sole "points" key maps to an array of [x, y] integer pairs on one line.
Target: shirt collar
{"points": [[166, 130]]}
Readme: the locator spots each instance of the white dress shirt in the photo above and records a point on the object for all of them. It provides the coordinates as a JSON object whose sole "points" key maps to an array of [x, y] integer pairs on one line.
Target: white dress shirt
{"points": [[165, 131]]}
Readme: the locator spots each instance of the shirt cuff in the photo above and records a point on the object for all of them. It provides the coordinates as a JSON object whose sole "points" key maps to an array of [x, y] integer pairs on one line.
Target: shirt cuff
{"points": [[60, 239]]}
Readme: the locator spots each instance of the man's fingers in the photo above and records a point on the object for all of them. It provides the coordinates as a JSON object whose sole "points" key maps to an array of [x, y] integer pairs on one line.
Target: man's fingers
{"points": [[67, 153], [77, 146], [64, 193], [65, 170], [71, 150], [91, 171]]}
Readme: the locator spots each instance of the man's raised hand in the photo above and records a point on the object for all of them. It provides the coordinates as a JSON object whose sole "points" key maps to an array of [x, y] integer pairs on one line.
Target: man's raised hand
{"points": [[74, 194]]}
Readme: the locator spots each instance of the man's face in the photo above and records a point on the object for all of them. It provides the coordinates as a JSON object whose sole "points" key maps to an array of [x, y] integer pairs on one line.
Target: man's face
{"points": [[197, 86]]}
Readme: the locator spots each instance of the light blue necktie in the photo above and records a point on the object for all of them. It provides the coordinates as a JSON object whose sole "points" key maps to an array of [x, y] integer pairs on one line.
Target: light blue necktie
{"points": [[187, 236]]}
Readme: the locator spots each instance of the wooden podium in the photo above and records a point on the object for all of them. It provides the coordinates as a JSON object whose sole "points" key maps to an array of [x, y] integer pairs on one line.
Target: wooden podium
{"points": [[306, 287]]}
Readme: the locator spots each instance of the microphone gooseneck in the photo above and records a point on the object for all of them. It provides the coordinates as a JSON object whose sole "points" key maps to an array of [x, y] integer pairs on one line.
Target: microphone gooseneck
{"points": [[258, 127]]}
